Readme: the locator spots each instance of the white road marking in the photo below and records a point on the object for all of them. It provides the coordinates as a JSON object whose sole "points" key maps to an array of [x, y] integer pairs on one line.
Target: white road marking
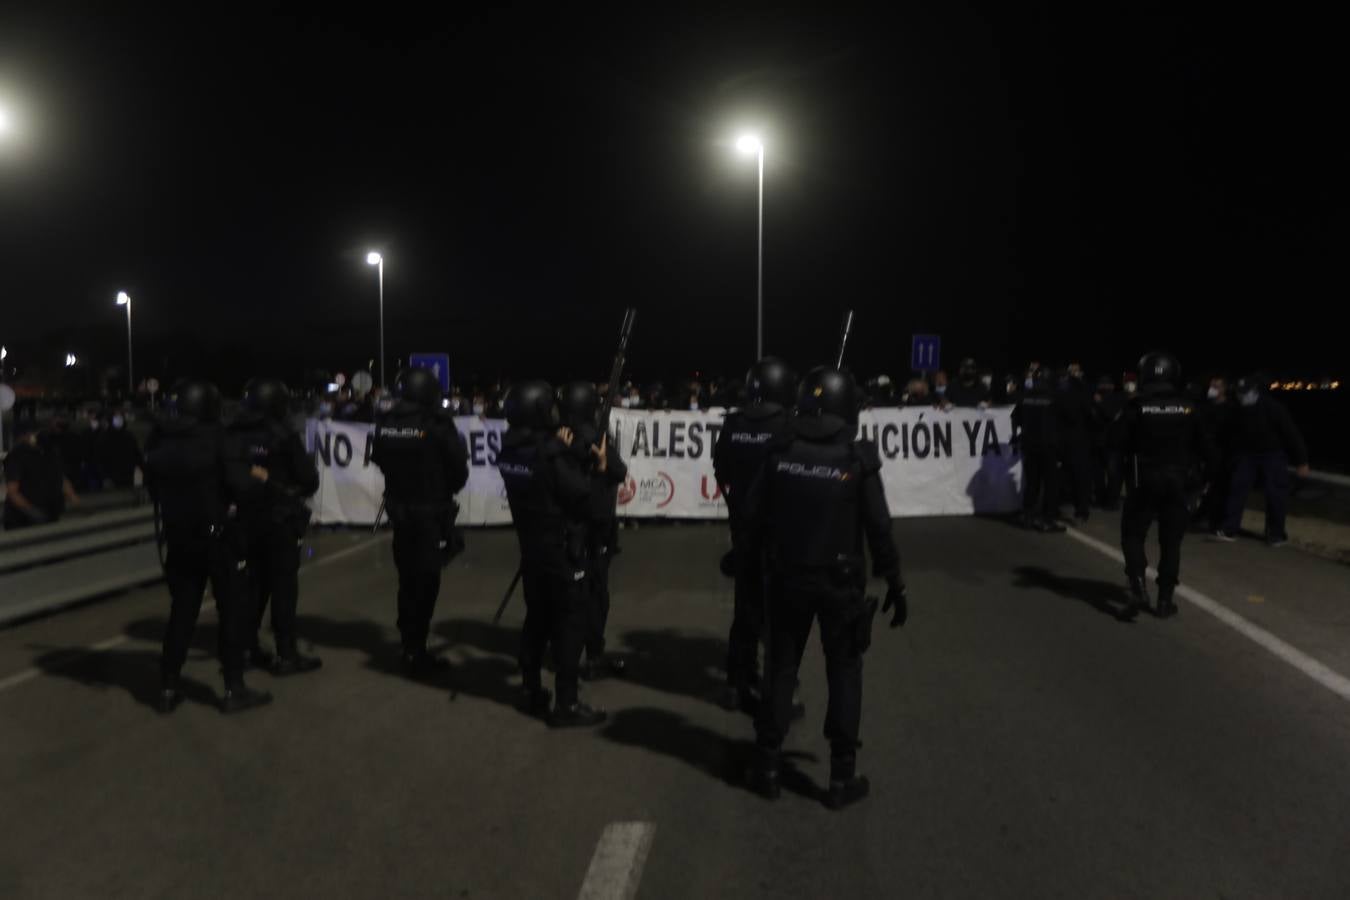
{"points": [[616, 867], [27, 675], [1322, 674]]}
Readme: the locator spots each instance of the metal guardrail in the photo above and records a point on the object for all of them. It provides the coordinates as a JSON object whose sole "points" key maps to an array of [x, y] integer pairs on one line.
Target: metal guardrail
{"points": [[1329, 478]]}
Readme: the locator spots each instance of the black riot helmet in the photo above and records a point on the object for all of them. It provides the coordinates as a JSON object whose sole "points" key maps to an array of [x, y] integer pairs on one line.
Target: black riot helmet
{"points": [[420, 386], [771, 381], [530, 405], [1159, 370], [193, 398], [578, 403], [269, 397], [828, 392]]}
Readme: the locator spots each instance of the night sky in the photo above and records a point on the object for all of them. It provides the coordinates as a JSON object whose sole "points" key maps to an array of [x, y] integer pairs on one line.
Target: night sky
{"points": [[1036, 182]]}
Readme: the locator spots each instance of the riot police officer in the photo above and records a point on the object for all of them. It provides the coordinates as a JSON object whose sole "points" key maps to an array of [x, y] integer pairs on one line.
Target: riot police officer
{"points": [[1035, 421], [550, 497], [1163, 439], [199, 480], [578, 407], [425, 463], [814, 505], [749, 434], [275, 520]]}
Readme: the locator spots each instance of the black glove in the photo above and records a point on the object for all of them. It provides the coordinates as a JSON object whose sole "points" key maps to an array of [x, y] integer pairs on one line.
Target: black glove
{"points": [[895, 597]]}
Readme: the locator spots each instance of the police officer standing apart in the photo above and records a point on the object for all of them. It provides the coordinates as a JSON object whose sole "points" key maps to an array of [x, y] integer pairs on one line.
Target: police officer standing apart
{"points": [[200, 480], [748, 436], [425, 463], [1163, 439], [579, 406], [550, 497], [812, 506], [275, 520]]}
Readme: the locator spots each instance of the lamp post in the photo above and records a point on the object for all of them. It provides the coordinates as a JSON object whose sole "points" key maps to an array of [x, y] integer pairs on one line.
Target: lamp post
{"points": [[124, 299], [375, 259], [748, 144]]}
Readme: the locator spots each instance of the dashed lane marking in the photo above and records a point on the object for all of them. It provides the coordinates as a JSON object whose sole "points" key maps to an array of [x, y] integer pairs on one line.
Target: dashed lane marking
{"points": [[616, 867]]}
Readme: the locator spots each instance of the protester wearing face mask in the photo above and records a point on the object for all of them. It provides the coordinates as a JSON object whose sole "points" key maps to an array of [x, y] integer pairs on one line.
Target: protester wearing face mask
{"points": [[940, 388], [1130, 384], [1265, 441], [969, 391]]}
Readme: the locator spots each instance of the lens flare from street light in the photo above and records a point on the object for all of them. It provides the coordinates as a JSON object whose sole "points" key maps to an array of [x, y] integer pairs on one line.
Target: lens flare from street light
{"points": [[749, 143], [6, 123], [123, 298], [373, 258]]}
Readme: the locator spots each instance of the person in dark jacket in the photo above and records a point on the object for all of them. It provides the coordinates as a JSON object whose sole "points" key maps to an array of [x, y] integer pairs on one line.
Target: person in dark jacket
{"points": [[425, 463], [1107, 471], [749, 434], [814, 506], [579, 407], [1265, 443], [117, 452], [969, 391], [1217, 411], [550, 498], [36, 488], [276, 519], [1074, 402], [1035, 422], [199, 479]]}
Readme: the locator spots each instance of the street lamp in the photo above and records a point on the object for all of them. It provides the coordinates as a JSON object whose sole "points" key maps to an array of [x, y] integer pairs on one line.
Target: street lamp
{"points": [[6, 123], [71, 360], [751, 144], [375, 259], [124, 299]]}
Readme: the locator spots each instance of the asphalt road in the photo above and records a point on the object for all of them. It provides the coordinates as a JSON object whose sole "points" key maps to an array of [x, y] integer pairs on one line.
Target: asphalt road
{"points": [[1022, 742]]}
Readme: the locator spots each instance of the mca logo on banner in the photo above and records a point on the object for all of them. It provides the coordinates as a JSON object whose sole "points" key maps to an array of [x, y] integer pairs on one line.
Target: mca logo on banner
{"points": [[933, 463]]}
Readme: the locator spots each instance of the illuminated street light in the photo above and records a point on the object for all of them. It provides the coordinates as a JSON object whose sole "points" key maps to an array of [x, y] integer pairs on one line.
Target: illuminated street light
{"points": [[124, 299], [751, 144], [375, 259], [70, 360]]}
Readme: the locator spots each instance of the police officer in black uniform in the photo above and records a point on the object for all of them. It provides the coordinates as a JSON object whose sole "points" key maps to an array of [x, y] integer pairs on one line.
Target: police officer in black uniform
{"points": [[1163, 438], [550, 497], [813, 505], [749, 434], [579, 407], [200, 479], [1035, 421], [275, 520], [425, 463]]}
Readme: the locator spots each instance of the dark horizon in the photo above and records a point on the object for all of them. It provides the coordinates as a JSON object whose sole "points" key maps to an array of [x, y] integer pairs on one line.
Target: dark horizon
{"points": [[1046, 184]]}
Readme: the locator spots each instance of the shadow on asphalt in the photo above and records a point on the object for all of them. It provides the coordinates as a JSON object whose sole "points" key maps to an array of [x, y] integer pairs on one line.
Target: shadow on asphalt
{"points": [[134, 671], [1107, 598]]}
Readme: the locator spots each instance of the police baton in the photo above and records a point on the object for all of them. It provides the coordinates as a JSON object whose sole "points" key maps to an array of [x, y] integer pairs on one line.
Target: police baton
{"points": [[378, 515], [843, 339], [511, 589]]}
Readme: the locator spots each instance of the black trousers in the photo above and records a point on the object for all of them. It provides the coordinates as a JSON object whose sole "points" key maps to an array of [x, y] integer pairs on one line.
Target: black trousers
{"points": [[555, 614], [1077, 457], [191, 563], [793, 606], [274, 577], [1160, 495], [418, 554], [597, 599], [747, 616], [1040, 483]]}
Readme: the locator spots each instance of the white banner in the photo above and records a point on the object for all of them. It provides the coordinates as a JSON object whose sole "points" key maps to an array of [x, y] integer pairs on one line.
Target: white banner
{"points": [[934, 463]]}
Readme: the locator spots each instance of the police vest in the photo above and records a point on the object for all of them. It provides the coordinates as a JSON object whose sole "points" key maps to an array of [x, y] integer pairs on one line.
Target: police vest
{"points": [[814, 491]]}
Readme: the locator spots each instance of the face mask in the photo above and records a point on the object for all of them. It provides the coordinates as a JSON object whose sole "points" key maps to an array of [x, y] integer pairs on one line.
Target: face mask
{"points": [[1130, 387], [478, 409], [93, 425], [1250, 398], [693, 405], [1212, 393], [118, 421], [325, 409], [941, 389], [1028, 384], [987, 380]]}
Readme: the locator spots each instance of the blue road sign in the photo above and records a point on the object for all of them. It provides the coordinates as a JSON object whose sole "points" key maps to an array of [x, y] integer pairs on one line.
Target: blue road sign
{"points": [[438, 363], [925, 354]]}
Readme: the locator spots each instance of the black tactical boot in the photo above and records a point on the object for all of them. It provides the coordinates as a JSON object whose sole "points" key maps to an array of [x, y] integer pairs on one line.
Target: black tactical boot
{"points": [[1167, 607], [1139, 599], [289, 660], [577, 715], [763, 775], [239, 697], [169, 696], [846, 785]]}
